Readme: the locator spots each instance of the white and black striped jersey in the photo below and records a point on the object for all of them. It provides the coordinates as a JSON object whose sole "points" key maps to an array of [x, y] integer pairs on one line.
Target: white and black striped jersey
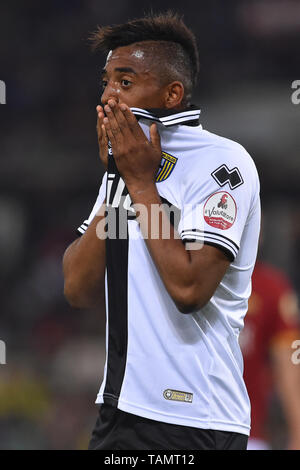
{"points": [[185, 369]]}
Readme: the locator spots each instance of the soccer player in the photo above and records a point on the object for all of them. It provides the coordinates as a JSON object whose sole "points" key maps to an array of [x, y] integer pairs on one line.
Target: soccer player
{"points": [[271, 327], [173, 237]]}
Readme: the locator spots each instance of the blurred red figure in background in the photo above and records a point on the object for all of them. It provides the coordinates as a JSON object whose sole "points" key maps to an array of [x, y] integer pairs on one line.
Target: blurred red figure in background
{"points": [[271, 327]]}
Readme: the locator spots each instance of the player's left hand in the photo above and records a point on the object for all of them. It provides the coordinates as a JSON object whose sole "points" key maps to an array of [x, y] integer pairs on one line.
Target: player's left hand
{"points": [[136, 157]]}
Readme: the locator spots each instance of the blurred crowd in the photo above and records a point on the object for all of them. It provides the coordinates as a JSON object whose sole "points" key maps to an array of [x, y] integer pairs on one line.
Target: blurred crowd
{"points": [[50, 173]]}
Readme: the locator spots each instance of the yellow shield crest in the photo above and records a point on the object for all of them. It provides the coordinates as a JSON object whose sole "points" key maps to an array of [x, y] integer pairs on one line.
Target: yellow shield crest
{"points": [[167, 165]]}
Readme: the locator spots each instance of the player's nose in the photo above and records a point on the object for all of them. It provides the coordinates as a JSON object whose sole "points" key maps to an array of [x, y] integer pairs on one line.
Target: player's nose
{"points": [[110, 92]]}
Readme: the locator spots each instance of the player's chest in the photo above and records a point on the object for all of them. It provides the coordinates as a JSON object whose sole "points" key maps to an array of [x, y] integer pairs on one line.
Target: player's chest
{"points": [[118, 197]]}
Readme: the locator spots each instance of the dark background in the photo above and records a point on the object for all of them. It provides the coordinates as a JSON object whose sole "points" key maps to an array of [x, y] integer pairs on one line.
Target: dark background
{"points": [[50, 174]]}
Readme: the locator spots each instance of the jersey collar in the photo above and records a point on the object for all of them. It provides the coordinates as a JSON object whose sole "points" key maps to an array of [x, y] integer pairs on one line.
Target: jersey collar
{"points": [[168, 117]]}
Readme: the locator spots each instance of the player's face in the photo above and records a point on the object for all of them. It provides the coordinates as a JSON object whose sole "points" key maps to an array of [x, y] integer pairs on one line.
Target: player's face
{"points": [[127, 78]]}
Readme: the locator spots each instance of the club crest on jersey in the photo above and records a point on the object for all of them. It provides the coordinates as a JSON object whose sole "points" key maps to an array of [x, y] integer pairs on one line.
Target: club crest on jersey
{"points": [[167, 165], [220, 210]]}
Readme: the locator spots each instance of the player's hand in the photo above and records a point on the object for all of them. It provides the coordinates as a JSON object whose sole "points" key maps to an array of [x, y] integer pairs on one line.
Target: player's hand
{"points": [[102, 137], [136, 157]]}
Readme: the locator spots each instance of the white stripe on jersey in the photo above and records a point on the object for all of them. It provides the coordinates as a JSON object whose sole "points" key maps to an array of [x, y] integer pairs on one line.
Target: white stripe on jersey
{"points": [[197, 235], [177, 118]]}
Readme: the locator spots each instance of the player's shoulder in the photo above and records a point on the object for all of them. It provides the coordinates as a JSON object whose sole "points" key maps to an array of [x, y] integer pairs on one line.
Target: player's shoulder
{"points": [[213, 153], [224, 149]]}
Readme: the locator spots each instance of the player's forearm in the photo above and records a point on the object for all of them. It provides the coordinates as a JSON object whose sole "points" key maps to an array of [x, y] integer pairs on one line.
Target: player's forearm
{"points": [[84, 269], [172, 260]]}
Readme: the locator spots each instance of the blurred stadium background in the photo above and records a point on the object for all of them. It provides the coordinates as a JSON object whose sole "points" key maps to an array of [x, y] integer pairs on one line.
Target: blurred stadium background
{"points": [[50, 174]]}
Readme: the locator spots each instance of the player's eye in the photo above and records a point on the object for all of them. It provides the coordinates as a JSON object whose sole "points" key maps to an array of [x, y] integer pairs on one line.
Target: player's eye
{"points": [[104, 84], [126, 83]]}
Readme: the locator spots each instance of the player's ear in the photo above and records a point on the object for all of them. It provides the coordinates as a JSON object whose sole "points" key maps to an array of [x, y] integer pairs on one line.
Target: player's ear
{"points": [[174, 94]]}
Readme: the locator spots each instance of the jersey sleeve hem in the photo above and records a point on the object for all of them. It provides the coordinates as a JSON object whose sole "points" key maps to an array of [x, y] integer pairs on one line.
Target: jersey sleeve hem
{"points": [[83, 228], [221, 242]]}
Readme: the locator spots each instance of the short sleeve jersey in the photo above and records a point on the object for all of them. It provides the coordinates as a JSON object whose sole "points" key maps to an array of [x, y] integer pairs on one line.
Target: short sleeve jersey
{"points": [[185, 369]]}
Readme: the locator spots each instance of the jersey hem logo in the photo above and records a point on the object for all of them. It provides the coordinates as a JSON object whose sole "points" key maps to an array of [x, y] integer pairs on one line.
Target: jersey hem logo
{"points": [[220, 211], [176, 395]]}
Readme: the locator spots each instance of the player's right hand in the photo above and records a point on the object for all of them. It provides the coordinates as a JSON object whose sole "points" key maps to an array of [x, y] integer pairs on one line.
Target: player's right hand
{"points": [[102, 136]]}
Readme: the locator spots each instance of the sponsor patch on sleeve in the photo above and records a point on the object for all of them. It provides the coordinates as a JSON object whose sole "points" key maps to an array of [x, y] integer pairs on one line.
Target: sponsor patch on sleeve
{"points": [[220, 210]]}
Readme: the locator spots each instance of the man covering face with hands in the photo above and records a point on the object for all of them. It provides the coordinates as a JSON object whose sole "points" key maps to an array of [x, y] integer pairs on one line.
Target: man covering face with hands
{"points": [[171, 242]]}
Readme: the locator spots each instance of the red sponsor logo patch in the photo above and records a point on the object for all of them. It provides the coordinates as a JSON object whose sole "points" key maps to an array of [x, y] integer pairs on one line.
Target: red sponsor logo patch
{"points": [[220, 210]]}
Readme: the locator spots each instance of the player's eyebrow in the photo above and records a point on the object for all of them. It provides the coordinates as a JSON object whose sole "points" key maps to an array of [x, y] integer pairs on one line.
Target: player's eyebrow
{"points": [[121, 69], [125, 69]]}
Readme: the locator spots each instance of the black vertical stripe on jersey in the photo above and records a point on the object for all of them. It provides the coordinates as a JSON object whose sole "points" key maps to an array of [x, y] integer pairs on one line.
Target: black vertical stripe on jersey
{"points": [[117, 285], [117, 291]]}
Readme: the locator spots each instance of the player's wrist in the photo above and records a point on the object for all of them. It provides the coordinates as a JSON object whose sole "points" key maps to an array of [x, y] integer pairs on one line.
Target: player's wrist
{"points": [[141, 189]]}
